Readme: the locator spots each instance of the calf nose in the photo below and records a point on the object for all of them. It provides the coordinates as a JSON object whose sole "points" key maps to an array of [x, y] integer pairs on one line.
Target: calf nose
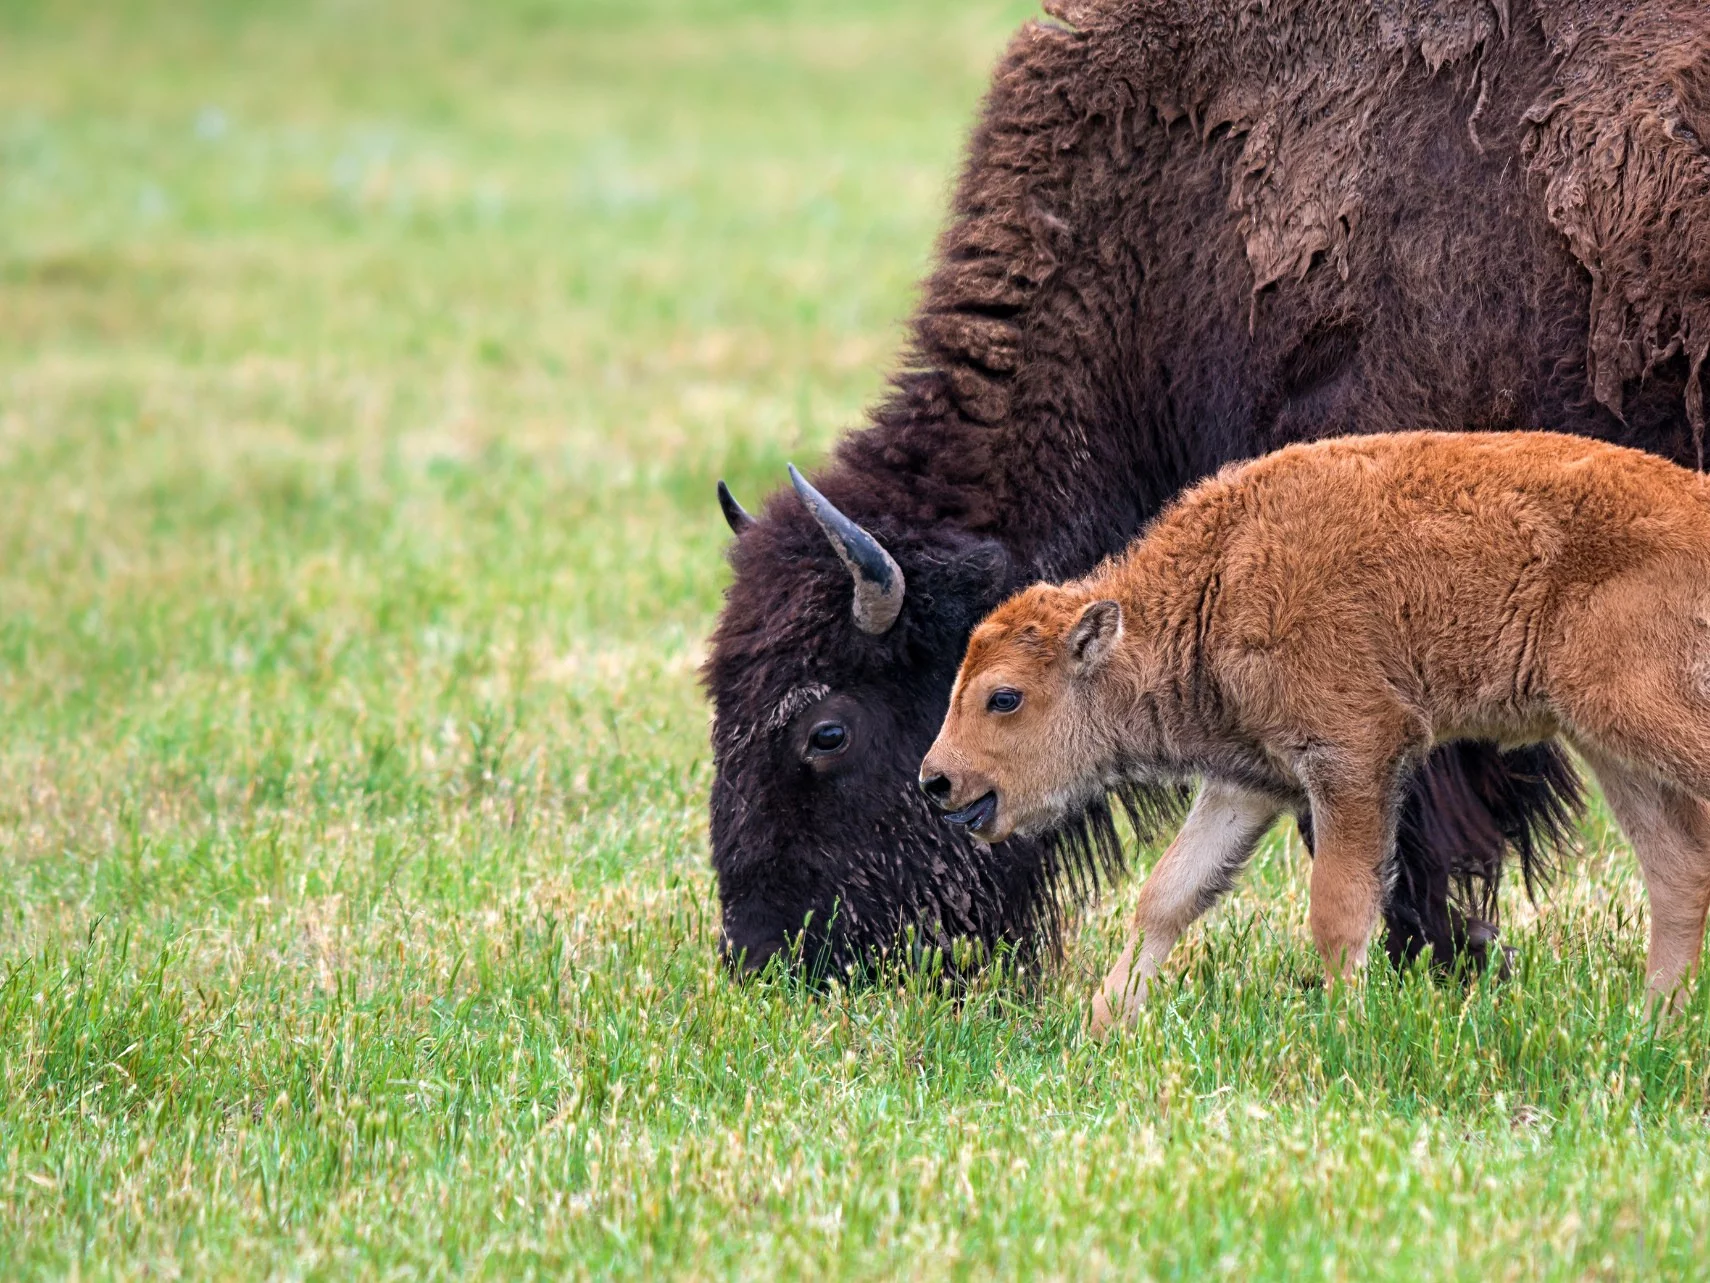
{"points": [[936, 787]]}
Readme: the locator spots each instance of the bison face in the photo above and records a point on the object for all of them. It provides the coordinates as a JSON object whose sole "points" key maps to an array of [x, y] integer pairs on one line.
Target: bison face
{"points": [[830, 672], [813, 834]]}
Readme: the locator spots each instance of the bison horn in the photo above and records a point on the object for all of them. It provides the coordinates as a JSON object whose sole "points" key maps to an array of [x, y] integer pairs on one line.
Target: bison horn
{"points": [[735, 515], [878, 579]]}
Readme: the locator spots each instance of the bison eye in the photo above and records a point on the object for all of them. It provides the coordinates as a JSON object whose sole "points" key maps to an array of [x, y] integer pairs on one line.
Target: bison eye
{"points": [[1004, 700], [828, 737]]}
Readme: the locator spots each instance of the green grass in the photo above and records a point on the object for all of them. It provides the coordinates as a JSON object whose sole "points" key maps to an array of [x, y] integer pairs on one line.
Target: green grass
{"points": [[364, 371]]}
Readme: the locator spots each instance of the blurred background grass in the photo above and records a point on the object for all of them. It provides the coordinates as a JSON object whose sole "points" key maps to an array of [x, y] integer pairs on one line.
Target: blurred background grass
{"points": [[367, 369], [364, 372]]}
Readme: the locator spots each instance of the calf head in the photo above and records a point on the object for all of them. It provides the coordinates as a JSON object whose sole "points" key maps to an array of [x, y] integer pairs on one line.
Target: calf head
{"points": [[1026, 742]]}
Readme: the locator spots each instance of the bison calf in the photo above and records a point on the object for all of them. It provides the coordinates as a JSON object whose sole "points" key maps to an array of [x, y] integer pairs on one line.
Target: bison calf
{"points": [[1299, 631]]}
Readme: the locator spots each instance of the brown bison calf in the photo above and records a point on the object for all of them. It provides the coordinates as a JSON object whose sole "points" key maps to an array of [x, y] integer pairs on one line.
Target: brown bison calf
{"points": [[1301, 630]]}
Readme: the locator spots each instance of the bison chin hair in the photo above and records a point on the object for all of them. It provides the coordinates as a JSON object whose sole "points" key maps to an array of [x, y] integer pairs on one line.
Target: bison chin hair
{"points": [[1047, 880], [1083, 854]]}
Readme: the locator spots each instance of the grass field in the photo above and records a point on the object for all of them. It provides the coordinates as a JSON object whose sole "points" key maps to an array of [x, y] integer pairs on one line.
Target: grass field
{"points": [[364, 371]]}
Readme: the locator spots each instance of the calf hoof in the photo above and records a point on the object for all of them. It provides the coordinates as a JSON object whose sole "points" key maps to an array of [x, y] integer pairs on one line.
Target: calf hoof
{"points": [[1103, 1019], [1665, 1001], [1114, 1009]]}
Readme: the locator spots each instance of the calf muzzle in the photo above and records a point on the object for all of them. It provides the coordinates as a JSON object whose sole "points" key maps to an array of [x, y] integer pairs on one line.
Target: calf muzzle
{"points": [[978, 815]]}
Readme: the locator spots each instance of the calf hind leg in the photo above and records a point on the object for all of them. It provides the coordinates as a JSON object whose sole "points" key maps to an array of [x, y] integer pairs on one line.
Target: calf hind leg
{"points": [[1631, 675], [1670, 832]]}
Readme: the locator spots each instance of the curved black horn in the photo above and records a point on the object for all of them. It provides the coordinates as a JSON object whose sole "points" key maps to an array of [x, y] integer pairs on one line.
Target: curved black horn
{"points": [[735, 516], [878, 579]]}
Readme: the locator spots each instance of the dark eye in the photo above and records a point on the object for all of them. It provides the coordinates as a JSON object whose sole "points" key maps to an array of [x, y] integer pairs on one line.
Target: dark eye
{"points": [[828, 737], [1004, 700]]}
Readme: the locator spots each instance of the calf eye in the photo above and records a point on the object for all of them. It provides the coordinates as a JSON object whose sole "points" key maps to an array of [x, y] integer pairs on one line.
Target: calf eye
{"points": [[827, 737], [1004, 700]]}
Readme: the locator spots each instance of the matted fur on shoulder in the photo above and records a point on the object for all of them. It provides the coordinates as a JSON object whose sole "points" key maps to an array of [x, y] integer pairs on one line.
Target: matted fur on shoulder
{"points": [[1623, 141], [1619, 138]]}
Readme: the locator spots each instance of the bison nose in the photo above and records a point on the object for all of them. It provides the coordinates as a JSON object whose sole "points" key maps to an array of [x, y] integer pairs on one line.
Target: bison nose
{"points": [[938, 788]]}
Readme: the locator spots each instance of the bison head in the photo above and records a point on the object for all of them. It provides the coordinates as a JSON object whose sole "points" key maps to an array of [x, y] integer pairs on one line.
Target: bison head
{"points": [[830, 672]]}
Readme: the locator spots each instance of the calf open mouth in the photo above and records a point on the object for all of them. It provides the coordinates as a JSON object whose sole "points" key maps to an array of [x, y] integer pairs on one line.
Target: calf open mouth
{"points": [[977, 815]]}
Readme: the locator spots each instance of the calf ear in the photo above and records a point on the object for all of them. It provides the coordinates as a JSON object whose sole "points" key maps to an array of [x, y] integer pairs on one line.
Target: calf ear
{"points": [[1095, 635]]}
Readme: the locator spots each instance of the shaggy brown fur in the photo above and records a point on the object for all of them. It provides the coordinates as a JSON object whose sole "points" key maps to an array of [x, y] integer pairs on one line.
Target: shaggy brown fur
{"points": [[1302, 630], [1190, 231]]}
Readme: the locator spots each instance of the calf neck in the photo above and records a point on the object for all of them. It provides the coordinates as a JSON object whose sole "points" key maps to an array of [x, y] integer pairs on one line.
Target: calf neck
{"points": [[1301, 630]]}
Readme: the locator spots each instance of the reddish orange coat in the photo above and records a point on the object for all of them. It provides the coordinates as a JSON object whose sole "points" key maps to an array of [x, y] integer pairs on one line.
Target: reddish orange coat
{"points": [[1302, 629]]}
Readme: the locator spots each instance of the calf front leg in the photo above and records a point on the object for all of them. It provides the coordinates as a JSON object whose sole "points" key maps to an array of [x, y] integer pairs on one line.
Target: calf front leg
{"points": [[1222, 828], [1353, 829]]}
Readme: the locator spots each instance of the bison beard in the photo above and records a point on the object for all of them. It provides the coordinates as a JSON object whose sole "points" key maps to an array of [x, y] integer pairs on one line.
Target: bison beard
{"points": [[1185, 235]]}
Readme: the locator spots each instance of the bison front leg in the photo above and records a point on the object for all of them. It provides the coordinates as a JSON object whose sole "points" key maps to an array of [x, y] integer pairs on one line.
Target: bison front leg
{"points": [[1222, 828]]}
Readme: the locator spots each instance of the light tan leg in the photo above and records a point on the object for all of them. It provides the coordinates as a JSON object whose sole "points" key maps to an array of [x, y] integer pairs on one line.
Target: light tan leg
{"points": [[1670, 832], [1352, 830], [1222, 828]]}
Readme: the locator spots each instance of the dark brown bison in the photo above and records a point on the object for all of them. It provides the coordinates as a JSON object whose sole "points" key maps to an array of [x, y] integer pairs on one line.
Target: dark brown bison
{"points": [[1188, 231]]}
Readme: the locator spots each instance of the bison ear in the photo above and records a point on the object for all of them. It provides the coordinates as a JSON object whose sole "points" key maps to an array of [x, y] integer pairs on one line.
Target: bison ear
{"points": [[1095, 635]]}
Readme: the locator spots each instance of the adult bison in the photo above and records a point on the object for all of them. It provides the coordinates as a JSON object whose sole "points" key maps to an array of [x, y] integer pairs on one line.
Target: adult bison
{"points": [[1189, 231]]}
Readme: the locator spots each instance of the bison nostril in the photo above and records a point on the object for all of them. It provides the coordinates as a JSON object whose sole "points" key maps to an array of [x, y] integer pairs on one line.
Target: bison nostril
{"points": [[937, 788]]}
